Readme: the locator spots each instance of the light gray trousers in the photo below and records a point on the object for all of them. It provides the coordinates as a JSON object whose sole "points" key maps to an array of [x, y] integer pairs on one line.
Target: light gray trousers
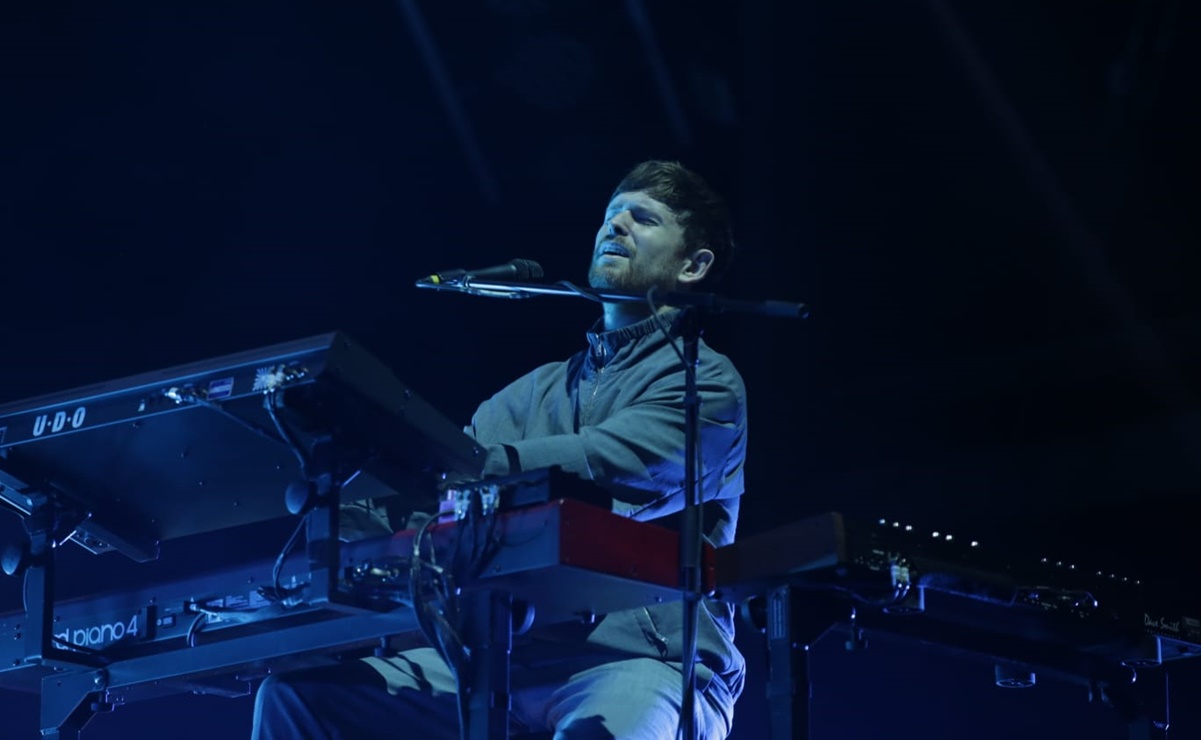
{"points": [[625, 699]]}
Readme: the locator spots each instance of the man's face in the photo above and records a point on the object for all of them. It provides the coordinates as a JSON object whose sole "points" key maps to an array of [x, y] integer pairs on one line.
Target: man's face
{"points": [[640, 244]]}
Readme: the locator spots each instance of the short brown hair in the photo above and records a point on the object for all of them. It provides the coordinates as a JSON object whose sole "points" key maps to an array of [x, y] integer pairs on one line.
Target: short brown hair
{"points": [[700, 210]]}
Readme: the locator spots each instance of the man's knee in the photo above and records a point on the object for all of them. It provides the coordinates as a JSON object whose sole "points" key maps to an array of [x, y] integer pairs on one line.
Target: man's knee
{"points": [[279, 709], [274, 689]]}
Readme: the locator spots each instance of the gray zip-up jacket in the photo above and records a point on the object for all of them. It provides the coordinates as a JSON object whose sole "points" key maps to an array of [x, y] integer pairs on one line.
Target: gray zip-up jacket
{"points": [[613, 413]]}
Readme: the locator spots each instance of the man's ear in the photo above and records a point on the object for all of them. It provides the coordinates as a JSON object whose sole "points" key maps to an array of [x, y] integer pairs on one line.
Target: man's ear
{"points": [[696, 267]]}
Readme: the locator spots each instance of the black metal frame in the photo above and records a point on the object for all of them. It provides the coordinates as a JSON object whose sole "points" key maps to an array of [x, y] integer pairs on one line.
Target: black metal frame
{"points": [[77, 686], [794, 619]]}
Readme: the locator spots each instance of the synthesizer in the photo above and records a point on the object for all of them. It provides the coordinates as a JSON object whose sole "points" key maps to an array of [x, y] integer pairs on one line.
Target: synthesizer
{"points": [[1026, 616], [215, 444], [934, 586]]}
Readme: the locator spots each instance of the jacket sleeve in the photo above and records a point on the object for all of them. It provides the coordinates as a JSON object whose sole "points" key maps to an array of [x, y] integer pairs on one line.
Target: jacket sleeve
{"points": [[637, 452]]}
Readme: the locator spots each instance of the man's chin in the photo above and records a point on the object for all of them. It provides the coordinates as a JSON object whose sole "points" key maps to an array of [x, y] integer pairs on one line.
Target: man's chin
{"points": [[602, 279]]}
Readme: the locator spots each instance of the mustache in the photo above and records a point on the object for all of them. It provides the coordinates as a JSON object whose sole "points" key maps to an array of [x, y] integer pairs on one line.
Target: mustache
{"points": [[607, 245]]}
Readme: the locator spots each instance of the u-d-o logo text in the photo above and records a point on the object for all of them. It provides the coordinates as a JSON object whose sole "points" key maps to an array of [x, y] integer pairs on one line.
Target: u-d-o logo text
{"points": [[59, 421]]}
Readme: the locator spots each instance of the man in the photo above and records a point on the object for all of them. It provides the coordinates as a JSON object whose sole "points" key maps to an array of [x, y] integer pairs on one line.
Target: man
{"points": [[612, 413]]}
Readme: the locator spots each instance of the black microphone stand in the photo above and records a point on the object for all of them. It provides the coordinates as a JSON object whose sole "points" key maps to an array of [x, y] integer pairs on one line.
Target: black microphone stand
{"points": [[692, 522]]}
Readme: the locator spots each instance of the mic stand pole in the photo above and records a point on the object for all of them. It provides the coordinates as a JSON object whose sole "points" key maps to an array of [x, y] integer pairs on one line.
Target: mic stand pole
{"points": [[692, 523]]}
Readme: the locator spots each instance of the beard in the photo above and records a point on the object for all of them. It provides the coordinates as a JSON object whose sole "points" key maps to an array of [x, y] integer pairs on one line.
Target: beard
{"points": [[604, 276]]}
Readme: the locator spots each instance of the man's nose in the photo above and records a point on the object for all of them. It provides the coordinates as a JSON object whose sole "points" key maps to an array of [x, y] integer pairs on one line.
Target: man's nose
{"points": [[617, 225]]}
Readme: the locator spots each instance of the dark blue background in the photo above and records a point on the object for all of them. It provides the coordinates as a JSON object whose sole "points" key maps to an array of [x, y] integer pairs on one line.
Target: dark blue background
{"points": [[987, 208]]}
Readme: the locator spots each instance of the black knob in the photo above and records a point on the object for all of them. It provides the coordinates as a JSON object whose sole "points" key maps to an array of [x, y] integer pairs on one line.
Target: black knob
{"points": [[15, 558], [300, 497]]}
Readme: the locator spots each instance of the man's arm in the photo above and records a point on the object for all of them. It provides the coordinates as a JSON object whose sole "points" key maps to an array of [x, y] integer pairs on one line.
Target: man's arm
{"points": [[638, 451]]}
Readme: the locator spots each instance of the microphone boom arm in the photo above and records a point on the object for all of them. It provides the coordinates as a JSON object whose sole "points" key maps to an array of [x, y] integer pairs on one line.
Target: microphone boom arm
{"points": [[710, 302]]}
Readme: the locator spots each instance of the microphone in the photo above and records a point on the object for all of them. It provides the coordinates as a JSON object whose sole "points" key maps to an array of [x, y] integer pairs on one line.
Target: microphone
{"points": [[517, 269]]}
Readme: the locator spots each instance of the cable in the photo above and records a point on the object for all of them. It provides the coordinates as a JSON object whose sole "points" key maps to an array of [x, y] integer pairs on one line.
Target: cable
{"points": [[195, 627], [436, 604], [180, 396], [663, 327], [269, 404], [421, 605], [470, 529], [278, 592], [582, 292], [207, 615]]}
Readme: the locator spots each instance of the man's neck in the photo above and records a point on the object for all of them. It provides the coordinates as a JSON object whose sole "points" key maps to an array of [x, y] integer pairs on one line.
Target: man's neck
{"points": [[622, 314]]}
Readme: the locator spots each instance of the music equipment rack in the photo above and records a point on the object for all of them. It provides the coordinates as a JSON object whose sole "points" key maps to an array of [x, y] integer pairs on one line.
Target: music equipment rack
{"points": [[250, 437], [1026, 615], [217, 632], [297, 428]]}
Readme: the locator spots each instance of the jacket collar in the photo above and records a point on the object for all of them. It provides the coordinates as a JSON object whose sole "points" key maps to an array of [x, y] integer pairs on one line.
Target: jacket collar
{"points": [[606, 343]]}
